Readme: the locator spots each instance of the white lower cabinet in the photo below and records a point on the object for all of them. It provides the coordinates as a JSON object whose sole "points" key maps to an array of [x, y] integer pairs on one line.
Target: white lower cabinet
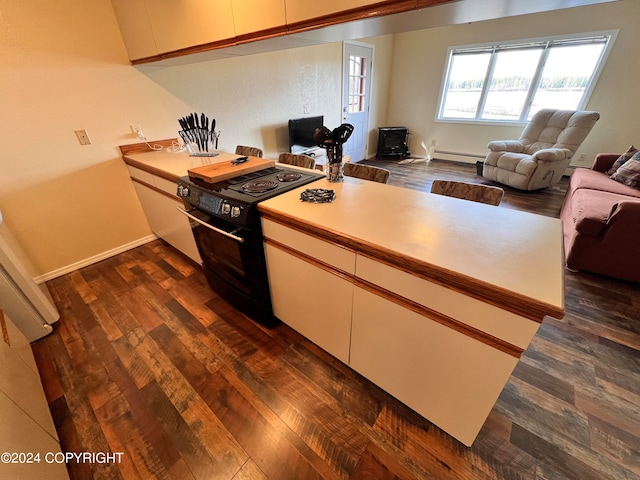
{"points": [[28, 438], [313, 301], [450, 378], [440, 352], [158, 200]]}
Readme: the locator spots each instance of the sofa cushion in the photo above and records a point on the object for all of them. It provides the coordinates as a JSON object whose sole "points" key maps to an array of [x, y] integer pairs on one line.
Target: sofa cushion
{"points": [[590, 210], [594, 180], [622, 159], [629, 172]]}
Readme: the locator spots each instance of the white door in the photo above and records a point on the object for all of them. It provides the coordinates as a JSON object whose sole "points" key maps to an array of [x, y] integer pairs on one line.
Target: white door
{"points": [[356, 90]]}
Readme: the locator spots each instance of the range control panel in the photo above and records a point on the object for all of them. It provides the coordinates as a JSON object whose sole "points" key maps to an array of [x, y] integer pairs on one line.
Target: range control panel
{"points": [[234, 212]]}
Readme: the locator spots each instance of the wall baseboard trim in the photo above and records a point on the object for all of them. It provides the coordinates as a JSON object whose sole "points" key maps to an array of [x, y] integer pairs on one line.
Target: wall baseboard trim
{"points": [[95, 259], [458, 156]]}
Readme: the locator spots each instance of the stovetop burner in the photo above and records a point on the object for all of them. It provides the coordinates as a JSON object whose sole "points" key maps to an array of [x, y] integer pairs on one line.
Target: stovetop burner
{"points": [[235, 199], [288, 176], [259, 186]]}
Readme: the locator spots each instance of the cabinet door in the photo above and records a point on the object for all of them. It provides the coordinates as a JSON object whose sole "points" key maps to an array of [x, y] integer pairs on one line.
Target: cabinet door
{"points": [[135, 28], [299, 10], [165, 220], [246, 20], [26, 420], [449, 378], [21, 434], [311, 300], [180, 24]]}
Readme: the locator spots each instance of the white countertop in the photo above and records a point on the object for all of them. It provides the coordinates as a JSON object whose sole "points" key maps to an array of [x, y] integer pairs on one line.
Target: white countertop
{"points": [[519, 253], [511, 252], [172, 165]]}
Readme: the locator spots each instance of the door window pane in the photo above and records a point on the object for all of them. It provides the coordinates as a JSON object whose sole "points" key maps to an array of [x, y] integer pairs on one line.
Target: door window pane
{"points": [[357, 82]]}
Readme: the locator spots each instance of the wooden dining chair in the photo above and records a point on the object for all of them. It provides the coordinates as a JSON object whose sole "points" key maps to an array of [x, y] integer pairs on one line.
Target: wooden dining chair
{"points": [[304, 161], [468, 191], [248, 151], [366, 172]]}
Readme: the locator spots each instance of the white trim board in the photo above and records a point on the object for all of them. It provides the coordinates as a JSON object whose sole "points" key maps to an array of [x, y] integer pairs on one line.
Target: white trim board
{"points": [[94, 259]]}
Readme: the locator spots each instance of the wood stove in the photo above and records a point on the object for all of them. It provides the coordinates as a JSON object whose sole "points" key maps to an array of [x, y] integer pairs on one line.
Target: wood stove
{"points": [[393, 142]]}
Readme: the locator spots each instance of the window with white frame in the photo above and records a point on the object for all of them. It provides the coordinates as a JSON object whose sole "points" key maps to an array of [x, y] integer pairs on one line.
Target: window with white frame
{"points": [[509, 82]]}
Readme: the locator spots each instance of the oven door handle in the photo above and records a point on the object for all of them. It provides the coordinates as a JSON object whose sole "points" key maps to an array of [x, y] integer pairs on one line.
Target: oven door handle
{"points": [[211, 227]]}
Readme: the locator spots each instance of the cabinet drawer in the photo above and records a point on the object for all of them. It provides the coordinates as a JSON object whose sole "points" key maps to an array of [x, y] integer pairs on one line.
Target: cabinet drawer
{"points": [[141, 175], [332, 254], [166, 186], [488, 318]]}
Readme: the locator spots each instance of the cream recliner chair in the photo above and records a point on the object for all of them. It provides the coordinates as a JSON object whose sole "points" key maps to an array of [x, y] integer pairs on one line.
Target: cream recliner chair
{"points": [[540, 156]]}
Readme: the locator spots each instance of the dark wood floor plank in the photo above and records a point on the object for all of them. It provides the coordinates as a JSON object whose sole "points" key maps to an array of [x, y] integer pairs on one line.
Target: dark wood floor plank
{"points": [[221, 445], [570, 425], [139, 460], [197, 460], [559, 463], [275, 449], [148, 359]]}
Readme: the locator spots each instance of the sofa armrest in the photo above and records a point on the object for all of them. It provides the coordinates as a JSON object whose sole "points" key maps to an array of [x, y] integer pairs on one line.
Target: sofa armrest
{"points": [[604, 161], [625, 212], [506, 146], [552, 154], [622, 220]]}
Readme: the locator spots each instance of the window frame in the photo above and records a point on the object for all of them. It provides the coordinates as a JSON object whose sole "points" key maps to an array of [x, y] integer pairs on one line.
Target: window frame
{"points": [[520, 43]]}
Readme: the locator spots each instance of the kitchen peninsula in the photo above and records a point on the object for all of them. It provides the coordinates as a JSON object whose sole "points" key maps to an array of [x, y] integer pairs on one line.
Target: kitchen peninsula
{"points": [[431, 298]]}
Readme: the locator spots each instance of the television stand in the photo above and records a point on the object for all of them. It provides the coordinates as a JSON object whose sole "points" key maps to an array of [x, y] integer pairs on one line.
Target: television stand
{"points": [[319, 154]]}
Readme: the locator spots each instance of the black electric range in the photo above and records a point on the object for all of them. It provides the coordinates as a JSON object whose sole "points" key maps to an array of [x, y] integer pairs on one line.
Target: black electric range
{"points": [[226, 226], [235, 199]]}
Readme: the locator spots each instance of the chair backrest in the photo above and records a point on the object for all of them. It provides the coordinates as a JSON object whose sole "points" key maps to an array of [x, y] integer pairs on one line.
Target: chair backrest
{"points": [[475, 192], [304, 161], [248, 151], [366, 172], [557, 129]]}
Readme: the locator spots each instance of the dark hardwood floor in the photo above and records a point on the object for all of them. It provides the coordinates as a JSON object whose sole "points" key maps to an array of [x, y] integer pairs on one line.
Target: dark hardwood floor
{"points": [[148, 361]]}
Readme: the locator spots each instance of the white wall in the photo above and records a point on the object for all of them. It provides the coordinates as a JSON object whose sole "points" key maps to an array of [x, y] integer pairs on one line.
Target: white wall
{"points": [[64, 67], [419, 59]]}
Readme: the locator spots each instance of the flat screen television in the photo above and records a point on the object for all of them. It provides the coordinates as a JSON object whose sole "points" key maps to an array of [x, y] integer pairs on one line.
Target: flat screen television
{"points": [[301, 132]]}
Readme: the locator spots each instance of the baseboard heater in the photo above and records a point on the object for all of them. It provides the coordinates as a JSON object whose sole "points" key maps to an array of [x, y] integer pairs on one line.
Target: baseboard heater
{"points": [[457, 156]]}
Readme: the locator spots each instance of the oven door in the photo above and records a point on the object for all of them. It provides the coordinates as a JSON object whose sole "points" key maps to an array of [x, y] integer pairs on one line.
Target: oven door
{"points": [[233, 260]]}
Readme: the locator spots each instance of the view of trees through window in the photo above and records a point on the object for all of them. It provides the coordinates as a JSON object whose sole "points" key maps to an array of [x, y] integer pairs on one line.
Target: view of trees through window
{"points": [[511, 82]]}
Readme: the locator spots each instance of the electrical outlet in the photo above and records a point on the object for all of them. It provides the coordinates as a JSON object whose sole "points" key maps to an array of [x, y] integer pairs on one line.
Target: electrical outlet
{"points": [[306, 109], [137, 129], [582, 158], [83, 137]]}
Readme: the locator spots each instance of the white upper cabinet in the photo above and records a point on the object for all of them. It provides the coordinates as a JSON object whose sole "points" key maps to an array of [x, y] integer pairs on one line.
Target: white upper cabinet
{"points": [[250, 16], [135, 28], [180, 24], [299, 10]]}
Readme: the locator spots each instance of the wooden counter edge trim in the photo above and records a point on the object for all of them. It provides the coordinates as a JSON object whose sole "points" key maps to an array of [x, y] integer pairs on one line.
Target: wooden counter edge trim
{"points": [[143, 147], [373, 10], [156, 189], [487, 293], [404, 302]]}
